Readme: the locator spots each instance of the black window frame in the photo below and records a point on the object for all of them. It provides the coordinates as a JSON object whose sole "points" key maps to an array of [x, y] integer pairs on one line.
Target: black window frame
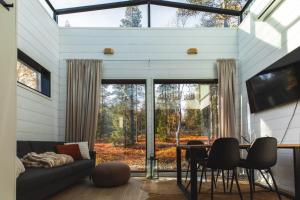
{"points": [[45, 74]]}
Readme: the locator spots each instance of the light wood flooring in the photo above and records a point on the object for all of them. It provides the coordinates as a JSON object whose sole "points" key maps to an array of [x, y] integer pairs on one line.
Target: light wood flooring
{"points": [[162, 189]]}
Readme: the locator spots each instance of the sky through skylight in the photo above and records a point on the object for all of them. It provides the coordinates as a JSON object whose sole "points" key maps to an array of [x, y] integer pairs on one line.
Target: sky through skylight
{"points": [[160, 16]]}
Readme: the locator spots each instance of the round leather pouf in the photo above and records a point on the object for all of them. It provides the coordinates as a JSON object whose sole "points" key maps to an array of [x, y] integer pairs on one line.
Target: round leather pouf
{"points": [[111, 174]]}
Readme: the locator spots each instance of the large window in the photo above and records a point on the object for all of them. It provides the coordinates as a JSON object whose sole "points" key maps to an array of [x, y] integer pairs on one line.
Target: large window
{"points": [[31, 74], [184, 110], [121, 134]]}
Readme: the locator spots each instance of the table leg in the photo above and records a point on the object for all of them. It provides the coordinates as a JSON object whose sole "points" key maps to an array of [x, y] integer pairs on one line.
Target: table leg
{"points": [[178, 162], [297, 172], [193, 176]]}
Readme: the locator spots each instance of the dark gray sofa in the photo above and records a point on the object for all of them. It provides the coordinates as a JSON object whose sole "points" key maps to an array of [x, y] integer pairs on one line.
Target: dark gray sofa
{"points": [[40, 183]]}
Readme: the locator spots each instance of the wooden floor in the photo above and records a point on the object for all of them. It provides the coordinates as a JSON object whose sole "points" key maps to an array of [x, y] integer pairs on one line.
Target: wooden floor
{"points": [[143, 189]]}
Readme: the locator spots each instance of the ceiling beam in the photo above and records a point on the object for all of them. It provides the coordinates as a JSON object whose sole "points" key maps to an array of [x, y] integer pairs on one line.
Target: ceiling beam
{"points": [[246, 6], [194, 7], [50, 5]]}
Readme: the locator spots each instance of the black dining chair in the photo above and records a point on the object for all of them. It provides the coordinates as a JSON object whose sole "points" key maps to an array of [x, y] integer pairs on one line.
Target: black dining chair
{"points": [[201, 156], [224, 155], [262, 155]]}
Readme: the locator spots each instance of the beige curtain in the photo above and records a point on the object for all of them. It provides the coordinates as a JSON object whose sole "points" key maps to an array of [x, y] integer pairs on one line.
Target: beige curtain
{"points": [[227, 77], [83, 93]]}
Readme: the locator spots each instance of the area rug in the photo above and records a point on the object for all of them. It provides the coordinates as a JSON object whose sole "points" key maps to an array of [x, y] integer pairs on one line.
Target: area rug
{"points": [[167, 189]]}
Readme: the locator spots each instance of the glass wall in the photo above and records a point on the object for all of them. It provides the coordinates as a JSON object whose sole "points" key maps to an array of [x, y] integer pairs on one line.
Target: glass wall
{"points": [[121, 134], [183, 111]]}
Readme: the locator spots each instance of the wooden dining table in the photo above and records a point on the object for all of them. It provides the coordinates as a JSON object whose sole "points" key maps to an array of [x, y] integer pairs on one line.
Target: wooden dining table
{"points": [[192, 194]]}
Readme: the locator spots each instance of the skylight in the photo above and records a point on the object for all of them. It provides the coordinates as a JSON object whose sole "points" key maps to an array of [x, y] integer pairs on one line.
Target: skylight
{"points": [[147, 13], [60, 4]]}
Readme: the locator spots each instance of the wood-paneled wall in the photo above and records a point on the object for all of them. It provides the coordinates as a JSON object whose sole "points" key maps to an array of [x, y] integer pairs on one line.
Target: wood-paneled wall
{"points": [[260, 43], [37, 36]]}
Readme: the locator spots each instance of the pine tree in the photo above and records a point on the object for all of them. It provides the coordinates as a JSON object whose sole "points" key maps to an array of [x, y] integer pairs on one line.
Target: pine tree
{"points": [[133, 17], [213, 19]]}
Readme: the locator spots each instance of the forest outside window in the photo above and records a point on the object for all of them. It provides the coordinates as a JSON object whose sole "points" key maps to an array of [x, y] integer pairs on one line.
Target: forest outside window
{"points": [[184, 110], [121, 134], [31, 74]]}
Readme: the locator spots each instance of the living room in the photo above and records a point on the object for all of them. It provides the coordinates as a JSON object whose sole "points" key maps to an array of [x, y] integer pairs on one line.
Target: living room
{"points": [[128, 98]]}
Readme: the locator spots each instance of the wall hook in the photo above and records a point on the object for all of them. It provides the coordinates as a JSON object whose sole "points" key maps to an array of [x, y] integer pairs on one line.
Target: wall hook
{"points": [[6, 5]]}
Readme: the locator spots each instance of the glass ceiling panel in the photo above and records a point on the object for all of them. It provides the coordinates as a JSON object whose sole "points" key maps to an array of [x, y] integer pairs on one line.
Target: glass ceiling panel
{"points": [[118, 17], [179, 18], [59, 4], [227, 4]]}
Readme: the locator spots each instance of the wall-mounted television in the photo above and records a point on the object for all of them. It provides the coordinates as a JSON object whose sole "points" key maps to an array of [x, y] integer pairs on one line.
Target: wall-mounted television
{"points": [[276, 85]]}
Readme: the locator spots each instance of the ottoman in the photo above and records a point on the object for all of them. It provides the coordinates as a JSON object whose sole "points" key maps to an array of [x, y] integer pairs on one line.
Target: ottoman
{"points": [[111, 174]]}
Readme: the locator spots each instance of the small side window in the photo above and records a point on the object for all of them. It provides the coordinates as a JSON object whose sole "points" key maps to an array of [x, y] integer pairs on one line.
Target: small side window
{"points": [[32, 74]]}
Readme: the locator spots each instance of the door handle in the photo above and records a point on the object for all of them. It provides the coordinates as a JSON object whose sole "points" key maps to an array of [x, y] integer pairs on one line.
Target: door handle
{"points": [[6, 5]]}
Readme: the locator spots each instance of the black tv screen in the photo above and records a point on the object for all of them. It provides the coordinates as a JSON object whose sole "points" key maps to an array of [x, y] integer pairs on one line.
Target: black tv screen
{"points": [[274, 86]]}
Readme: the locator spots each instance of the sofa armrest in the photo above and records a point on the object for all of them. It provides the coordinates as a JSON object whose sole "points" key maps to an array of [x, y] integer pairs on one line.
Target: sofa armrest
{"points": [[93, 155]]}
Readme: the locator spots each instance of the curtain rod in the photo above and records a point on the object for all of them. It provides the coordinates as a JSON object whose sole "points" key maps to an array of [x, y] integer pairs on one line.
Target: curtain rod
{"points": [[147, 60]]}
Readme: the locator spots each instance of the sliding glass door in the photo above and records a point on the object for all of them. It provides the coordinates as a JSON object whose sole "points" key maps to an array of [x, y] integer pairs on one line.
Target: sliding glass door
{"points": [[184, 110], [121, 134]]}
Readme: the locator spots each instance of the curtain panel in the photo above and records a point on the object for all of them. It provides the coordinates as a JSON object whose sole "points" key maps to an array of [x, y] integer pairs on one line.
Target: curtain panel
{"points": [[82, 104], [228, 102]]}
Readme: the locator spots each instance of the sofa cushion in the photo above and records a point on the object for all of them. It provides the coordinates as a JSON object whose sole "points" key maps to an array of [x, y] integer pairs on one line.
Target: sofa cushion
{"points": [[80, 165], [23, 147], [37, 177], [42, 147], [71, 150]]}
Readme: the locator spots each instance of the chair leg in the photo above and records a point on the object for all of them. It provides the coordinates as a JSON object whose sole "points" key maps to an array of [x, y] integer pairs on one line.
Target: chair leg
{"points": [[253, 180], [274, 182], [270, 187], [218, 173], [227, 186], [187, 186], [216, 179], [212, 185], [237, 183], [201, 178], [223, 179], [232, 177], [250, 183], [187, 172]]}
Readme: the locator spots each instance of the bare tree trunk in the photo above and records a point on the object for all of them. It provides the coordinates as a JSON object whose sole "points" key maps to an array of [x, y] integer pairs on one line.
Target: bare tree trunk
{"points": [[136, 113], [180, 91], [132, 125]]}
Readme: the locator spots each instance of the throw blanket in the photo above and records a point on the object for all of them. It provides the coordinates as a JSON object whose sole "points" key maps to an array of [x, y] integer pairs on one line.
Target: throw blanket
{"points": [[46, 160]]}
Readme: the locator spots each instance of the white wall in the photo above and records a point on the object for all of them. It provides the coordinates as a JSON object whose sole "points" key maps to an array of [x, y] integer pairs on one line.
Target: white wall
{"points": [[259, 45], [37, 36], [165, 48], [7, 102]]}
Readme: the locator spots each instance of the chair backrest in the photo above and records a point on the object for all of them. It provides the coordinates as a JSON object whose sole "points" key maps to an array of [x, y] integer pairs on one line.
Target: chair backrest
{"points": [[224, 154], [200, 153], [263, 153]]}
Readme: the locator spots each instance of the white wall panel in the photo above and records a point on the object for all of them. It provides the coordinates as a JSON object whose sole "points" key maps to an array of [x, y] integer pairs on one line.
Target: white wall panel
{"points": [[155, 53], [261, 43], [37, 36]]}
